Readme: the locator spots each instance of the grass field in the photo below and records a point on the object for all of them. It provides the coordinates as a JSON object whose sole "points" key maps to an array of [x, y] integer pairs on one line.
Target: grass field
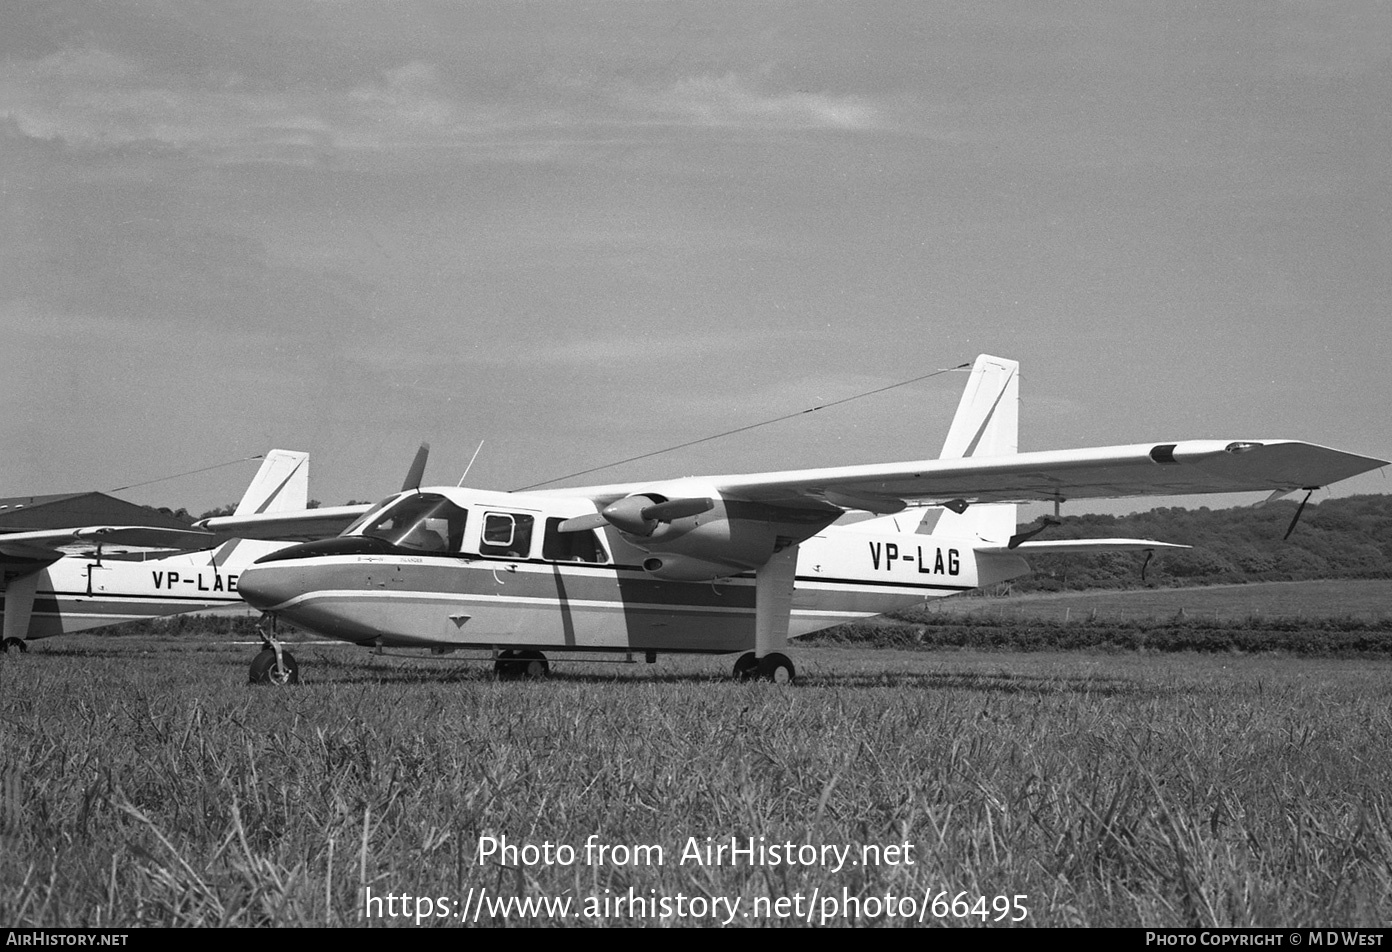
{"points": [[146, 784]]}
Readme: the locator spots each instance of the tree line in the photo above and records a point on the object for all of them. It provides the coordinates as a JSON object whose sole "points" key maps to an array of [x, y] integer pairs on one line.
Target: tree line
{"points": [[1349, 537]]}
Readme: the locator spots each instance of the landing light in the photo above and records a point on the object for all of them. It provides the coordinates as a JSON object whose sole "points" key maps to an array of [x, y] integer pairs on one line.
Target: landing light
{"points": [[1240, 447]]}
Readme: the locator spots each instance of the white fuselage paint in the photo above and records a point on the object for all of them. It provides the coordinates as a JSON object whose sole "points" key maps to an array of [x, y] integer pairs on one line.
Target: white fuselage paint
{"points": [[399, 600], [78, 593]]}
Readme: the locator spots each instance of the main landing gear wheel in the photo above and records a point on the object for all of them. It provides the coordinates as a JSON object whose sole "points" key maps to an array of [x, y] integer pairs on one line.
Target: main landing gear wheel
{"points": [[777, 668], [746, 666], [513, 665], [265, 671], [9, 643]]}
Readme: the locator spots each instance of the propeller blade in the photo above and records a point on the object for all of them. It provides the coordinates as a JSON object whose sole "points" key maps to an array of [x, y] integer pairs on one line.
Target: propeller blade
{"points": [[416, 473], [677, 509], [592, 520], [639, 515]]}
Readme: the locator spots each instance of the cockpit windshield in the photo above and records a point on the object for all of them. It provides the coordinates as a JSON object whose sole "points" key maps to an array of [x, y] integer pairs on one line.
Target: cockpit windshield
{"points": [[426, 522], [368, 516]]}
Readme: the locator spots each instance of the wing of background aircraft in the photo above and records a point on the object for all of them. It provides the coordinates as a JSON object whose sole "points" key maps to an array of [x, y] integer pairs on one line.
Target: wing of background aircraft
{"points": [[55, 543]]}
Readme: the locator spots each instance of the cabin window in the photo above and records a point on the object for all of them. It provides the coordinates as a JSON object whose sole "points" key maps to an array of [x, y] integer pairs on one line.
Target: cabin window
{"points": [[424, 522], [561, 546], [506, 534]]}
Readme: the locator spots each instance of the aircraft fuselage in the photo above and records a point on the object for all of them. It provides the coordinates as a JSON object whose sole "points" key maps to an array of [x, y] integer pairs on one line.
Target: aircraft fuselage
{"points": [[597, 596], [79, 593]]}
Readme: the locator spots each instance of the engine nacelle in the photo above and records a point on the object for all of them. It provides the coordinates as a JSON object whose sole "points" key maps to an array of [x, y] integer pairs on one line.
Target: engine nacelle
{"points": [[692, 533], [682, 568]]}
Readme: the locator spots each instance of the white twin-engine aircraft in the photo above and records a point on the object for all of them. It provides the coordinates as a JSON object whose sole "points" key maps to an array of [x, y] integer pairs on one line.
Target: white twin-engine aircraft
{"points": [[735, 563], [73, 578]]}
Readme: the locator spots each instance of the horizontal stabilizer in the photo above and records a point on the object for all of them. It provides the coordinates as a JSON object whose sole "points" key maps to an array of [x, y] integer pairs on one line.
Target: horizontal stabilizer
{"points": [[1082, 547]]}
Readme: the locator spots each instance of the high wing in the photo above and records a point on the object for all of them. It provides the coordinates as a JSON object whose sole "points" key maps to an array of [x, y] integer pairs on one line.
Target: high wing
{"points": [[1143, 469], [50, 544]]}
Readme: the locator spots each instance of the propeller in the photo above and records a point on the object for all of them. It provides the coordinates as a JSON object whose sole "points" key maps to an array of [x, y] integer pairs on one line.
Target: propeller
{"points": [[416, 473], [639, 515]]}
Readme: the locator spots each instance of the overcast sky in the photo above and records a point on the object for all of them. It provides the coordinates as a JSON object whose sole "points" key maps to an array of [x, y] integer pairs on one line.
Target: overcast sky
{"points": [[584, 231]]}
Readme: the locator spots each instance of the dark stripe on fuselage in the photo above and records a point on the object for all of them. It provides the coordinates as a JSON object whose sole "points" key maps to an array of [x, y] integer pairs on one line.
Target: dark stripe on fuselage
{"points": [[431, 600]]}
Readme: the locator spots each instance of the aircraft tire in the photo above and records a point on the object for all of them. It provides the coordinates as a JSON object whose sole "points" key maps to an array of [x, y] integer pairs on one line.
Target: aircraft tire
{"points": [[533, 665], [746, 666], [505, 666], [263, 668], [514, 665], [777, 668], [9, 643]]}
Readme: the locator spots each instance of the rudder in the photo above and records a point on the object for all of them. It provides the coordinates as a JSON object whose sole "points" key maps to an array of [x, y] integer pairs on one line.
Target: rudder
{"points": [[987, 422], [281, 485]]}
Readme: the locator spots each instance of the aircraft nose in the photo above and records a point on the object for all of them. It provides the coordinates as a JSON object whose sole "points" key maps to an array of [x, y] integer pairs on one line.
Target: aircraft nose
{"points": [[266, 586]]}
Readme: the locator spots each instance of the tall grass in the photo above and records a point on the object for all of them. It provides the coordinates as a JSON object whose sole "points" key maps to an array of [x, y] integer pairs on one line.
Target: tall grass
{"points": [[156, 788]]}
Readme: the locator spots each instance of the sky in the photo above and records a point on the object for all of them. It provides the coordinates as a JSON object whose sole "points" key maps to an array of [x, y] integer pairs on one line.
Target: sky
{"points": [[578, 232]]}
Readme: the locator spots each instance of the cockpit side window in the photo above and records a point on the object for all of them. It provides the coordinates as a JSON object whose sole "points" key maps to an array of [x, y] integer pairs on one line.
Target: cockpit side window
{"points": [[583, 546], [424, 522], [506, 534]]}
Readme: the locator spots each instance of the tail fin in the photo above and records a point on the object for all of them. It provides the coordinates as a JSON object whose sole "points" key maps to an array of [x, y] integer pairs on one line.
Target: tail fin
{"points": [[987, 424], [988, 417], [281, 485]]}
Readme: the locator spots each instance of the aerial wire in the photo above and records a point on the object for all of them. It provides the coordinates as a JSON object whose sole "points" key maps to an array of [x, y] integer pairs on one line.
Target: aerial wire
{"points": [[471, 464], [189, 473], [752, 426]]}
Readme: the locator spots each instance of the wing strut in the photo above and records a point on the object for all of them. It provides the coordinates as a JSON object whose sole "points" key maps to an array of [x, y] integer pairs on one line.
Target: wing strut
{"points": [[1298, 510], [773, 601], [19, 608]]}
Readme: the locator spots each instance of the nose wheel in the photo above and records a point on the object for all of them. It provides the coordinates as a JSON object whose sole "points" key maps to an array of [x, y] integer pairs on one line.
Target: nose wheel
{"points": [[272, 664], [272, 667]]}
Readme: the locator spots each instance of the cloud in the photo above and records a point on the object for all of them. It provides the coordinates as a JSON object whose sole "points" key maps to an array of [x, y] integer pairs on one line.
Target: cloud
{"points": [[90, 99], [732, 102]]}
